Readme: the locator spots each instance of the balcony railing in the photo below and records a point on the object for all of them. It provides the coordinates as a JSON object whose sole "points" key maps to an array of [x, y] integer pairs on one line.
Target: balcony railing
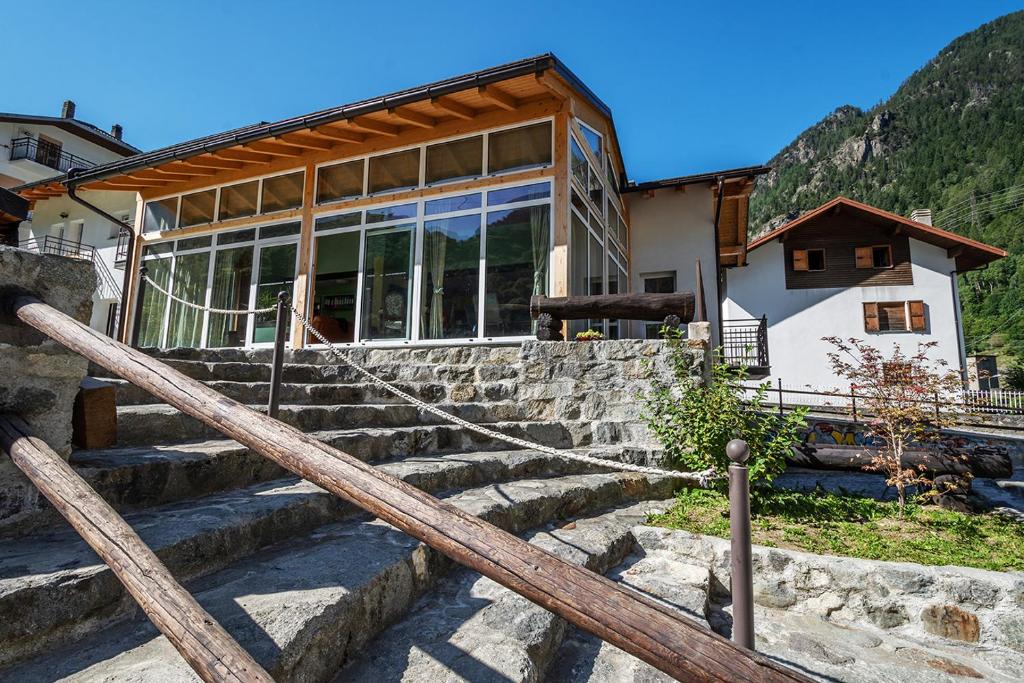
{"points": [[47, 154], [745, 344], [59, 246]]}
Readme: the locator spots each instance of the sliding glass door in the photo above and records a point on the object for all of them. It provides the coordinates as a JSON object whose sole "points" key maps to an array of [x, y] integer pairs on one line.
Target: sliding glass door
{"points": [[232, 279], [276, 274], [185, 323], [451, 278], [335, 287], [387, 283]]}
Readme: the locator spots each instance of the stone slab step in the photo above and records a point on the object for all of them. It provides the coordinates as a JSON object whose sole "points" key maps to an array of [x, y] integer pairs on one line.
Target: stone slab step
{"points": [[55, 577], [307, 606], [473, 629], [163, 423]]}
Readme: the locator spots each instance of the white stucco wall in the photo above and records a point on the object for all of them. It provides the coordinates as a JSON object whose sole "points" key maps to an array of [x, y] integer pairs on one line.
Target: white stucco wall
{"points": [[27, 170], [799, 318], [669, 232]]}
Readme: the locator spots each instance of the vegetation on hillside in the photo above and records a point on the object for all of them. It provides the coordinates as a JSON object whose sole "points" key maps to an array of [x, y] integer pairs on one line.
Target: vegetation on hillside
{"points": [[951, 139]]}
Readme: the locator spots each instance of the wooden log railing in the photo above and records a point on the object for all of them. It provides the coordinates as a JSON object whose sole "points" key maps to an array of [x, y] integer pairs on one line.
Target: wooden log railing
{"points": [[551, 312], [203, 642], [625, 618]]}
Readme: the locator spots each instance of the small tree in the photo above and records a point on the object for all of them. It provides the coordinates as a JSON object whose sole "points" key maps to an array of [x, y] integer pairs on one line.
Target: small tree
{"points": [[694, 421], [909, 399], [1015, 377]]}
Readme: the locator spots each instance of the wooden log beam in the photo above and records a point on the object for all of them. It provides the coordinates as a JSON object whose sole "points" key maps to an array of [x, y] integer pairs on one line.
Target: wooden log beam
{"points": [[623, 617], [981, 463], [626, 306], [203, 642]]}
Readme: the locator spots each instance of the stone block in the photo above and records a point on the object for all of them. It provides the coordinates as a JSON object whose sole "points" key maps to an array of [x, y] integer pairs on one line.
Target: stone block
{"points": [[949, 621]]}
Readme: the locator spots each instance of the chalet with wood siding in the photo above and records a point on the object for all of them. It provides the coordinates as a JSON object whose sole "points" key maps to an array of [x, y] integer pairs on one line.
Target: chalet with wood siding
{"points": [[847, 269]]}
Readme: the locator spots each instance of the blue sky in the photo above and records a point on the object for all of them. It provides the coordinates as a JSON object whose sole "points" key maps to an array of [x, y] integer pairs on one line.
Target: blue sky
{"points": [[694, 86]]}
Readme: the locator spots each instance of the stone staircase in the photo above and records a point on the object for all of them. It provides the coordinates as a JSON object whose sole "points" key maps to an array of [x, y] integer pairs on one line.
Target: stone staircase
{"points": [[310, 585]]}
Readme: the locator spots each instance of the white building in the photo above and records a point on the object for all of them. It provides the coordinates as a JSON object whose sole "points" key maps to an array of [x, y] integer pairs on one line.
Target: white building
{"points": [[40, 150], [845, 270]]}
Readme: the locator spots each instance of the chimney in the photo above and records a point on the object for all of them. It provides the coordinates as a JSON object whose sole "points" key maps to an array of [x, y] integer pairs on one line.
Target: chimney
{"points": [[68, 110], [117, 131], [921, 216]]}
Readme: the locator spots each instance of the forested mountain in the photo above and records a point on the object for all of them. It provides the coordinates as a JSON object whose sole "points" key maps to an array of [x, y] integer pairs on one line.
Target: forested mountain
{"points": [[950, 139]]}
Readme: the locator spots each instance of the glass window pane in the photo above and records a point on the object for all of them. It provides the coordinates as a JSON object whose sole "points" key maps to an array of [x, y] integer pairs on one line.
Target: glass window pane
{"points": [[596, 271], [160, 215], [237, 236], [282, 192], [276, 274], [451, 277], [157, 249], [518, 244], [154, 303], [340, 181], [593, 140], [579, 204], [197, 208], [185, 324], [281, 230], [232, 274], [194, 243], [578, 285], [613, 280], [596, 190], [578, 160], [391, 213], [238, 201], [345, 220], [523, 193], [395, 171], [455, 160], [335, 287], [450, 204], [387, 283], [524, 147]]}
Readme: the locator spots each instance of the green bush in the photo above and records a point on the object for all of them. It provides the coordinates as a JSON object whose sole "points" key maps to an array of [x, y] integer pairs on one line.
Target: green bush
{"points": [[694, 422], [1015, 377]]}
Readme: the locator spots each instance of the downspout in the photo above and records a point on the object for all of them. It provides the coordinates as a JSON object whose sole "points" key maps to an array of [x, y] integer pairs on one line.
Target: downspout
{"points": [[718, 260], [960, 343], [122, 320]]}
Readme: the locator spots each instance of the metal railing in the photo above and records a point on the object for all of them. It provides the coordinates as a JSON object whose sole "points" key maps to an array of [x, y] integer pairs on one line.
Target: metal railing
{"points": [[745, 342], [124, 241], [58, 246], [47, 154]]}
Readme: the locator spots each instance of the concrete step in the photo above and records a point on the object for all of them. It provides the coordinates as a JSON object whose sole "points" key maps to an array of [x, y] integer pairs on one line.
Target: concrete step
{"points": [[163, 423], [54, 576], [473, 629], [258, 393], [305, 607]]}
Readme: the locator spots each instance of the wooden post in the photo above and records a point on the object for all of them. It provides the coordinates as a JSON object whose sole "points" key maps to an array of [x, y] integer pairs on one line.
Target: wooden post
{"points": [[204, 643], [701, 314], [277, 366], [640, 626], [853, 400], [742, 568]]}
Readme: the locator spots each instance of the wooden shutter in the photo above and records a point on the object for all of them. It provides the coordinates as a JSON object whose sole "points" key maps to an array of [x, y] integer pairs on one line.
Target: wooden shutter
{"points": [[864, 258], [800, 259], [917, 321], [871, 317]]}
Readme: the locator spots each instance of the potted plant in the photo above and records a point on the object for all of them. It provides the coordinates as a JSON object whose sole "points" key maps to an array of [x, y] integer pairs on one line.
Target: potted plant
{"points": [[589, 335]]}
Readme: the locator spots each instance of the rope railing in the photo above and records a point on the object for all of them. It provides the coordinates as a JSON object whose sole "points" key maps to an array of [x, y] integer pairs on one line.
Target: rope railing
{"points": [[701, 479]]}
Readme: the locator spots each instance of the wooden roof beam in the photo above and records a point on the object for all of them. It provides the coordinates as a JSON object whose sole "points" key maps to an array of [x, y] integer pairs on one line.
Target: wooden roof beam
{"points": [[306, 140], [955, 252], [456, 109], [499, 97], [212, 163], [371, 126], [125, 185], [340, 134], [275, 149], [236, 154], [160, 174], [413, 118]]}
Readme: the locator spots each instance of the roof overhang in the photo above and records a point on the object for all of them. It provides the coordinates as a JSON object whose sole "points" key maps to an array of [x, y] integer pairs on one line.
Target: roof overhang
{"points": [[969, 254], [81, 129], [13, 209], [732, 174]]}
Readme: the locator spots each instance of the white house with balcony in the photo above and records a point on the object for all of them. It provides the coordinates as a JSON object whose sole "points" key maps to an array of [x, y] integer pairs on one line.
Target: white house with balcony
{"points": [[37, 152]]}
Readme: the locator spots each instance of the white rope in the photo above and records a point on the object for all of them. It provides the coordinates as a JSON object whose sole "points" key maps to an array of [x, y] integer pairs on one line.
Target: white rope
{"points": [[225, 311]]}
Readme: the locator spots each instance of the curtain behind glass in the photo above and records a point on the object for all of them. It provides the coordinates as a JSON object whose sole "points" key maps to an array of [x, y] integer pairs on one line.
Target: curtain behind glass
{"points": [[232, 274], [451, 277], [154, 304], [185, 324]]}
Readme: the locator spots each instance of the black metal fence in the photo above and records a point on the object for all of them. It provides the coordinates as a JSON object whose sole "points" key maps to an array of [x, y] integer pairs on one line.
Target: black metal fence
{"points": [[745, 342], [51, 244], [46, 153]]}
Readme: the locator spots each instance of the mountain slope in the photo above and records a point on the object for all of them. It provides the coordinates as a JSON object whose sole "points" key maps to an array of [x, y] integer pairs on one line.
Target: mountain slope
{"points": [[951, 138]]}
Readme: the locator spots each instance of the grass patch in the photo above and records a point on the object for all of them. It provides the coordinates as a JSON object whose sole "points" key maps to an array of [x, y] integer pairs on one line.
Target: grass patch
{"points": [[831, 524]]}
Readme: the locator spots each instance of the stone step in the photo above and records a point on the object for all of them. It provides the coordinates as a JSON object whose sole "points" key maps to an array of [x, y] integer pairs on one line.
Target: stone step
{"points": [[473, 629], [258, 393], [163, 423], [305, 607]]}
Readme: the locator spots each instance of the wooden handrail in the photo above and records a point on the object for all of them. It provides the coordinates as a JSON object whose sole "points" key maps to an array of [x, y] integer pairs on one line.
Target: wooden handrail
{"points": [[203, 642], [623, 617]]}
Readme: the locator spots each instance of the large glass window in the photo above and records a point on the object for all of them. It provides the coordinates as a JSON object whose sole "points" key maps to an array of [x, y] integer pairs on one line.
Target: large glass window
{"points": [[154, 303], [335, 286], [455, 160], [276, 274], [593, 139], [394, 171], [160, 215], [185, 323], [387, 283], [232, 277], [340, 181], [238, 201], [523, 147], [578, 162], [451, 277], [518, 244], [282, 192], [197, 208]]}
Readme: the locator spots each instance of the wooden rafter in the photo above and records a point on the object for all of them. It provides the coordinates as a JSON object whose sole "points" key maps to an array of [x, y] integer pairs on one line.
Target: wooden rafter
{"points": [[371, 126], [413, 118], [306, 140], [212, 162], [126, 185], [499, 97], [276, 149], [339, 134], [456, 109], [160, 174], [236, 154]]}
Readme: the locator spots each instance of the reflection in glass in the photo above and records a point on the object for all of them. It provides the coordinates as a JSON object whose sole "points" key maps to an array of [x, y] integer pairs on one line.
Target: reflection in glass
{"points": [[508, 150], [335, 287], [238, 201], [455, 160], [232, 275], [154, 303], [197, 208], [522, 193], [451, 277], [340, 181], [394, 171], [578, 161], [387, 283], [185, 324], [276, 274], [160, 215], [282, 192], [518, 243]]}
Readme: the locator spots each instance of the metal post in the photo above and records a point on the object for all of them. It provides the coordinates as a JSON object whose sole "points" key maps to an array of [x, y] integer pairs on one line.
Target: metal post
{"points": [[137, 316], [938, 417], [278, 363], [739, 528], [853, 401], [780, 398]]}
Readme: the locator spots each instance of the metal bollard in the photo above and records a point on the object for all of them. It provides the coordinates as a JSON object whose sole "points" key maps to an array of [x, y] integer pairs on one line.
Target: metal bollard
{"points": [[277, 366], [739, 527], [137, 317]]}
